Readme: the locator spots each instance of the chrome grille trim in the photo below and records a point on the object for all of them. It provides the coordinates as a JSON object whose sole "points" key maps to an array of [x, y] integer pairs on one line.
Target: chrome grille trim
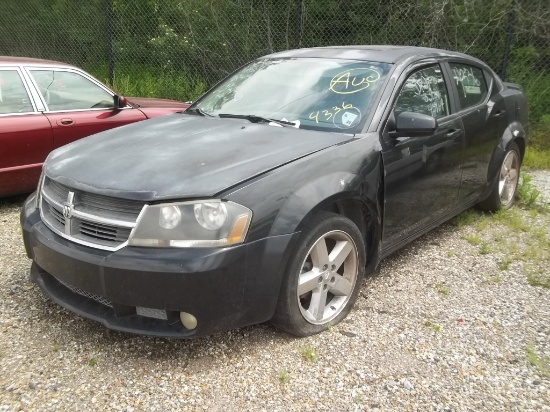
{"points": [[103, 220], [88, 216], [103, 223]]}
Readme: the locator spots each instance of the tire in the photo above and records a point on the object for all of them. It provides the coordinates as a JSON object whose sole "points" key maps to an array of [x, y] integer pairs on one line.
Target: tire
{"points": [[319, 290], [504, 190]]}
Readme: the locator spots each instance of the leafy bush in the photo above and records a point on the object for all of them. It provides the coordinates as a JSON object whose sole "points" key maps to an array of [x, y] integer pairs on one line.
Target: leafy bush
{"points": [[150, 81]]}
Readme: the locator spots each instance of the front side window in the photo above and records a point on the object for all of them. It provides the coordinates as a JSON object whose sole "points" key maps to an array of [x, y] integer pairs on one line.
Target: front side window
{"points": [[320, 94], [13, 96], [64, 90], [471, 85], [424, 92]]}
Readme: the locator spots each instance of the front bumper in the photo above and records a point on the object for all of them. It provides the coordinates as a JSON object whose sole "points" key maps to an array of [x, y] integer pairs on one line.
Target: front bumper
{"points": [[143, 290]]}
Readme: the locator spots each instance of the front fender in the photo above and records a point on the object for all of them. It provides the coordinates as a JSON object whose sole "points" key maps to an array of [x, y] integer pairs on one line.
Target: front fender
{"points": [[283, 200], [311, 197]]}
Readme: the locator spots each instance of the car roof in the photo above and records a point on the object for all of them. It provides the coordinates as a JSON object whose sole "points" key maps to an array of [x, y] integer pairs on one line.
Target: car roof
{"points": [[29, 61], [373, 53]]}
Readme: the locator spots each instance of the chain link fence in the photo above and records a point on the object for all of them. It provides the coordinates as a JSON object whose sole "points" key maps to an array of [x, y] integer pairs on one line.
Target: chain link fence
{"points": [[179, 48]]}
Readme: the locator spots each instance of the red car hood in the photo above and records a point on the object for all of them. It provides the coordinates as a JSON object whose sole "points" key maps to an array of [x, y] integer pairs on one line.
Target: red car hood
{"points": [[145, 102], [157, 107]]}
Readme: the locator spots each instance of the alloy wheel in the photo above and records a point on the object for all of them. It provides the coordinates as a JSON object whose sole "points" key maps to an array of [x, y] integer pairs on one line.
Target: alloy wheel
{"points": [[508, 180], [328, 277]]}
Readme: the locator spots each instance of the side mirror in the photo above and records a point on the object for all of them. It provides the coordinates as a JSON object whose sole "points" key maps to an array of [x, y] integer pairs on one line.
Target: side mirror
{"points": [[120, 101], [414, 125]]}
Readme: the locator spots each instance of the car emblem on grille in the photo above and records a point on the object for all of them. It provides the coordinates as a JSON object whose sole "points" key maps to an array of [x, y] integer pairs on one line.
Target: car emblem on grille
{"points": [[68, 208]]}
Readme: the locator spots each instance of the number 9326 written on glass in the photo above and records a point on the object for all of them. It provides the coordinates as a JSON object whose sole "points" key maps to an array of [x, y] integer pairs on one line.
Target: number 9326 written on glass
{"points": [[327, 115]]}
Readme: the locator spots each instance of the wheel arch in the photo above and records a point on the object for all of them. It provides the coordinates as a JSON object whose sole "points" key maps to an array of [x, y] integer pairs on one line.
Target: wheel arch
{"points": [[361, 205], [515, 133]]}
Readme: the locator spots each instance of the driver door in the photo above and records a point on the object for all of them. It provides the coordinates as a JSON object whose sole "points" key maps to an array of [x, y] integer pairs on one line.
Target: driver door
{"points": [[77, 106], [422, 174]]}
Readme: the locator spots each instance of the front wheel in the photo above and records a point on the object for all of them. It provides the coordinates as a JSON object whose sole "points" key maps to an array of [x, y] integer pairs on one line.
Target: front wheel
{"points": [[504, 191], [323, 277]]}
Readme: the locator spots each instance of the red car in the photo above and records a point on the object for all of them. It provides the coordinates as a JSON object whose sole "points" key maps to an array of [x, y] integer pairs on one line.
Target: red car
{"points": [[46, 104]]}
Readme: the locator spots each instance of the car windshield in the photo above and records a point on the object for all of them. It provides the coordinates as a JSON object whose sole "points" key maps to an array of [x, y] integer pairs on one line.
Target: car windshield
{"points": [[319, 94]]}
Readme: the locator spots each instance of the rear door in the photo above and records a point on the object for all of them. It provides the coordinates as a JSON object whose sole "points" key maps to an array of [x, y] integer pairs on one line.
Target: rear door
{"points": [[484, 117], [77, 105], [422, 174], [25, 135]]}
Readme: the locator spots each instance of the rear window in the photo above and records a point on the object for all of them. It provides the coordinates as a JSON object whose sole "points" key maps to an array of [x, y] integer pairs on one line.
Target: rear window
{"points": [[471, 85], [13, 95]]}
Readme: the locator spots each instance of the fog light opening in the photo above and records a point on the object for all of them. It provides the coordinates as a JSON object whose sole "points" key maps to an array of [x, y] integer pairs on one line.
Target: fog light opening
{"points": [[188, 320]]}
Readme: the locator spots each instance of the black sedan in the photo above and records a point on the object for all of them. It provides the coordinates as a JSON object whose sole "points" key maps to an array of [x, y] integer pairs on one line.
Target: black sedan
{"points": [[274, 194]]}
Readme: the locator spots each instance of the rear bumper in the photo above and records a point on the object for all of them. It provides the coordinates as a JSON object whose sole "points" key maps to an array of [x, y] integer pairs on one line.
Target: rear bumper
{"points": [[222, 288]]}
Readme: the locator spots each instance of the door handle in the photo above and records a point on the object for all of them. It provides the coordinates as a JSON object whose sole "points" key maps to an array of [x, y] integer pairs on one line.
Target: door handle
{"points": [[500, 113], [65, 122], [453, 133]]}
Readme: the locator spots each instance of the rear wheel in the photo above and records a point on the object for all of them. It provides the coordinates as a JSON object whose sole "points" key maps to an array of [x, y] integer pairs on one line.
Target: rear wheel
{"points": [[323, 277], [504, 191]]}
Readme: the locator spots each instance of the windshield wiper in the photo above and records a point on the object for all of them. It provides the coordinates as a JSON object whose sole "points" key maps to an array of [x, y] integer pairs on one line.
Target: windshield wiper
{"points": [[199, 111], [258, 119]]}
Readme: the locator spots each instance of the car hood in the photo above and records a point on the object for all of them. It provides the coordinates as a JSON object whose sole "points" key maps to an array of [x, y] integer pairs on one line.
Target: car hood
{"points": [[179, 156]]}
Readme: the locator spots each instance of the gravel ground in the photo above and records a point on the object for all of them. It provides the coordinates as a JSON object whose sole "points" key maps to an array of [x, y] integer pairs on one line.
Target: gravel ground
{"points": [[450, 324]]}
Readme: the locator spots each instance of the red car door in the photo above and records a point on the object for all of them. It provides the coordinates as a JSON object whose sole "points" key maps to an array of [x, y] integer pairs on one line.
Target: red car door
{"points": [[77, 105], [25, 136]]}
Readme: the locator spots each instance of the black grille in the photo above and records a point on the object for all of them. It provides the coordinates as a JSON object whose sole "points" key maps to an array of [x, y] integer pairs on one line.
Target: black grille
{"points": [[104, 232], [58, 190], [57, 215], [111, 204]]}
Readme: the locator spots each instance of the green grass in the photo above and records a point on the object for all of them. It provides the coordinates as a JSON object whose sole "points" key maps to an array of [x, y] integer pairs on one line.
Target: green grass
{"points": [[465, 218], [536, 158], [513, 219], [472, 239], [542, 363], [436, 328], [504, 264], [538, 278], [527, 193], [92, 362], [308, 353], [535, 254], [537, 155], [284, 376], [484, 248], [482, 223], [495, 279], [519, 234], [442, 289]]}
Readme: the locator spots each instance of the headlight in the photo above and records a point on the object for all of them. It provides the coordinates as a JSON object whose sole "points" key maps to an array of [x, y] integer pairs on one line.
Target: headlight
{"points": [[211, 216], [208, 223]]}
